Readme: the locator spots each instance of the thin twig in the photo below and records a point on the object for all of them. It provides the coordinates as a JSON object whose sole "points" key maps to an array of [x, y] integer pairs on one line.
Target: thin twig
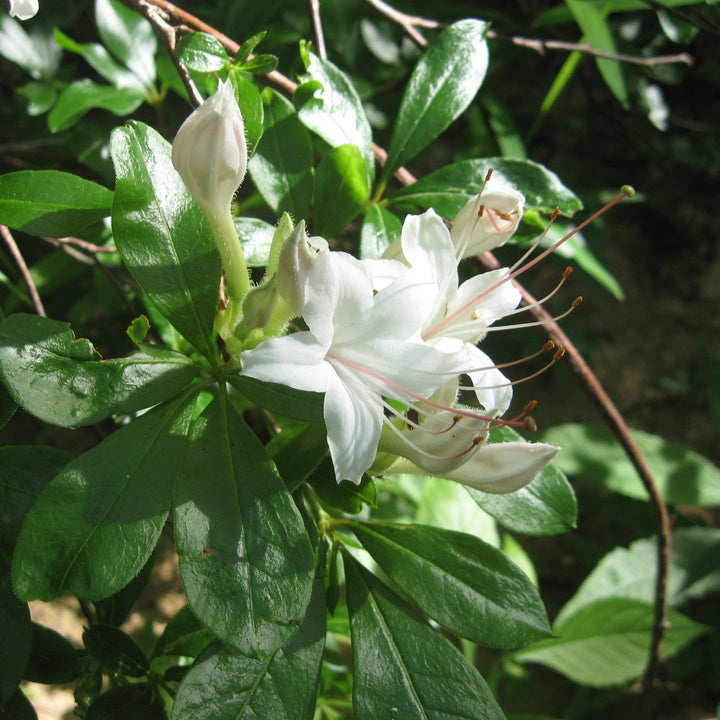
{"points": [[70, 251], [316, 23], [22, 266], [85, 245], [408, 23]]}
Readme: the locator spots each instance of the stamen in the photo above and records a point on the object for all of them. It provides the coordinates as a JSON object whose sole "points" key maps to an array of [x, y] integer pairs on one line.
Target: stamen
{"points": [[416, 425], [566, 274], [538, 240], [560, 352], [573, 305]]}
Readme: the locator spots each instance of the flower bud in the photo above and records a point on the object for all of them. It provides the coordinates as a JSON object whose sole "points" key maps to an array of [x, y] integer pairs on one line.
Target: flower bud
{"points": [[210, 151], [487, 220], [23, 9], [297, 257], [259, 304]]}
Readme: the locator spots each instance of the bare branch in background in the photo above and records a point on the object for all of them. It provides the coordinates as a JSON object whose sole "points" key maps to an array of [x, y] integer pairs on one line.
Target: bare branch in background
{"points": [[316, 22], [22, 266]]}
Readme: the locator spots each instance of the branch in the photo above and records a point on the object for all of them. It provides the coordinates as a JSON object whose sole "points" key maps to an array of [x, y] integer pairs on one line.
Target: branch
{"points": [[316, 22], [407, 23], [22, 266]]}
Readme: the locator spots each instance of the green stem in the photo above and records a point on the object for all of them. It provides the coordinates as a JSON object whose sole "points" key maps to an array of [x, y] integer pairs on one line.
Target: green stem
{"points": [[232, 256]]}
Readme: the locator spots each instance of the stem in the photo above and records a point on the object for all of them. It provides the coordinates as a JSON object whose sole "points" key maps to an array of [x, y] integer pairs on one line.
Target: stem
{"points": [[316, 22], [231, 254], [22, 266]]}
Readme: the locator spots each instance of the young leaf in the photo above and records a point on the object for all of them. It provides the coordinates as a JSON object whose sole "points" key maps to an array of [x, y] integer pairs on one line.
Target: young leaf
{"points": [[245, 558], [403, 668], [607, 642], [50, 202], [94, 526], [281, 167], [468, 586], [62, 380], [380, 227], [202, 52], [341, 189], [162, 235], [282, 685], [442, 85]]}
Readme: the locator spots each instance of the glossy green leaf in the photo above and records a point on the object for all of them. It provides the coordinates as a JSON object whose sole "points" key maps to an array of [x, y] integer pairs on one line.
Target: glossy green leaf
{"points": [[40, 96], [259, 65], [280, 399], [403, 668], [15, 630], [281, 167], [607, 642], [82, 96], [184, 635], [345, 495], [139, 701], [18, 707], [341, 190], [380, 227], [449, 189], [245, 558], [442, 85], [62, 380], [128, 36], [53, 660], [589, 451], [114, 610], [7, 406], [202, 52], [256, 236], [630, 573], [162, 235], [466, 585], [94, 526], [50, 202], [335, 111], [116, 651], [252, 109], [37, 53], [561, 13], [298, 451], [25, 471], [226, 685]]}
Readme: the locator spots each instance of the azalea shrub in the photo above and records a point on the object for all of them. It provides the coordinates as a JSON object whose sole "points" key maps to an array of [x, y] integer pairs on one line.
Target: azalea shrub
{"points": [[307, 373]]}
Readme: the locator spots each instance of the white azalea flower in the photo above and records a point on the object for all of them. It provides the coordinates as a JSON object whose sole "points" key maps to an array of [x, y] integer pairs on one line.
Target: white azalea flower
{"points": [[24, 9]]}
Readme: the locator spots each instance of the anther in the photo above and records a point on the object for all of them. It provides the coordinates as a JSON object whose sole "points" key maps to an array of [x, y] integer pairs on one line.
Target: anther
{"points": [[555, 214], [548, 346], [481, 211], [577, 301], [567, 272], [558, 354], [530, 407], [530, 424]]}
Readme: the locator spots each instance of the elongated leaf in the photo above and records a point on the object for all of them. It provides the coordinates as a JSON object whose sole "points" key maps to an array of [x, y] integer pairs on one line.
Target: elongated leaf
{"points": [[202, 52], [298, 451], [15, 630], [94, 526], [18, 707], [62, 381], [468, 586], [53, 659], [562, 14], [256, 236], [380, 227], [341, 189], [183, 635], [116, 651], [226, 685], [335, 111], [403, 668], [245, 558], [280, 399], [442, 85], [25, 471], [251, 106], [591, 451], [50, 202], [139, 701], [448, 189], [281, 167], [82, 96], [18, 47], [607, 642], [163, 237]]}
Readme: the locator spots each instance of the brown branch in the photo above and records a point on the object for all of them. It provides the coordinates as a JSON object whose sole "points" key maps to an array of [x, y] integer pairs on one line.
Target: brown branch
{"points": [[316, 23], [84, 245], [22, 266], [407, 23]]}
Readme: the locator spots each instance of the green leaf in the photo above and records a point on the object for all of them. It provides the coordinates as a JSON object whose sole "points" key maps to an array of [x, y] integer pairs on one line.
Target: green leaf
{"points": [[202, 52], [15, 630], [341, 189], [117, 652], [94, 526], [26, 51], [52, 203], [82, 96], [53, 660], [589, 451], [259, 65], [25, 471], [630, 573], [129, 37], [138, 329], [561, 13], [163, 236], [40, 96], [298, 451], [345, 495], [248, 46], [7, 406], [245, 558], [62, 381], [403, 668], [607, 642], [281, 167], [335, 112], [380, 227], [139, 701], [226, 685], [184, 635], [115, 609], [280, 399], [596, 31], [18, 707], [251, 106], [449, 189], [466, 585], [442, 85], [256, 236]]}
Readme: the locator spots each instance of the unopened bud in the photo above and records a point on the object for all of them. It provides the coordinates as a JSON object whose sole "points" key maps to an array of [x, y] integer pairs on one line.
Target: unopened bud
{"points": [[259, 304], [487, 220], [210, 151], [24, 9]]}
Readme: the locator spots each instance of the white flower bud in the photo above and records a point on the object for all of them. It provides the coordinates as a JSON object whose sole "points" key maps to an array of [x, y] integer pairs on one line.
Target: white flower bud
{"points": [[487, 220], [24, 9], [210, 151]]}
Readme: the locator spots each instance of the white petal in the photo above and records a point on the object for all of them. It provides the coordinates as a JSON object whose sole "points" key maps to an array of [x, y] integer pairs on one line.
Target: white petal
{"points": [[383, 272], [504, 467], [23, 9], [492, 388]]}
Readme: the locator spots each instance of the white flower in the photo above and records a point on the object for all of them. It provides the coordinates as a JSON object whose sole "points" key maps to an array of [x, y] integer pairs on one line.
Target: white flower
{"points": [[24, 9], [360, 347], [210, 151]]}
